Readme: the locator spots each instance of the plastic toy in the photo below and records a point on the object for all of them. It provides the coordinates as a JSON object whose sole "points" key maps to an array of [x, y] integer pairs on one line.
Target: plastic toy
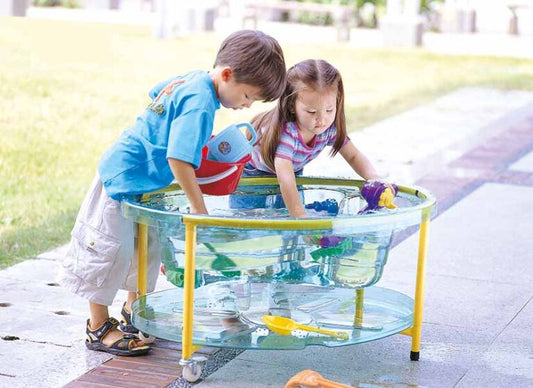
{"points": [[328, 205], [310, 378], [330, 241], [339, 249], [378, 194], [222, 262], [285, 326]]}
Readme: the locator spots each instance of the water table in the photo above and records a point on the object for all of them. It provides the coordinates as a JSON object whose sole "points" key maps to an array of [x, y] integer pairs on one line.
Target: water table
{"points": [[248, 260]]}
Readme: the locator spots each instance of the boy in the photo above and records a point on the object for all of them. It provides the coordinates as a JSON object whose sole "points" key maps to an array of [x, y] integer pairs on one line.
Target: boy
{"points": [[164, 144]]}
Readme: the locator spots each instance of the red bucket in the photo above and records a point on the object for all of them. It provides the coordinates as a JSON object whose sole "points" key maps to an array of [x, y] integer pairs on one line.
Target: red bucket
{"points": [[219, 178]]}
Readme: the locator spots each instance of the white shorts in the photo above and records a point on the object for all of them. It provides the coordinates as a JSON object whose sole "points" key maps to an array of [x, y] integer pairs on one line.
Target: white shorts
{"points": [[102, 254]]}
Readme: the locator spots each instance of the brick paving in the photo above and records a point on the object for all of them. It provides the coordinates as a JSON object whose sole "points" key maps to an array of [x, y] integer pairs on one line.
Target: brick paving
{"points": [[487, 162], [157, 369]]}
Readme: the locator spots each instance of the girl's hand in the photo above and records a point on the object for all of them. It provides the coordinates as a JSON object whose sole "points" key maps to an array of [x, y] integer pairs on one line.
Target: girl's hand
{"points": [[358, 161], [288, 188], [299, 214]]}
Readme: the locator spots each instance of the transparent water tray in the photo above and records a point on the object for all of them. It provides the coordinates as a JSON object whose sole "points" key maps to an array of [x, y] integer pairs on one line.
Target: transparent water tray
{"points": [[249, 233], [228, 314]]}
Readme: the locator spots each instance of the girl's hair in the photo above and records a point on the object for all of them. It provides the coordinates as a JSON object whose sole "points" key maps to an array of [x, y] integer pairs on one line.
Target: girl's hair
{"points": [[314, 74]]}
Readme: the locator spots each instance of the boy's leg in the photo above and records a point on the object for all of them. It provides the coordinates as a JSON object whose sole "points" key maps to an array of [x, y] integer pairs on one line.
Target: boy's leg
{"points": [[131, 298], [99, 315], [96, 263], [125, 319]]}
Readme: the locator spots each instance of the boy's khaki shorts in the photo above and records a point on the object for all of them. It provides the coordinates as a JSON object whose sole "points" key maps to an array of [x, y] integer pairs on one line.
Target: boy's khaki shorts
{"points": [[102, 254]]}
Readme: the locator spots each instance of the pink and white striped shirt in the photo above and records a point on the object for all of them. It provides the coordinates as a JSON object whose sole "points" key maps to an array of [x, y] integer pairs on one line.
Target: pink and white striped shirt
{"points": [[293, 148]]}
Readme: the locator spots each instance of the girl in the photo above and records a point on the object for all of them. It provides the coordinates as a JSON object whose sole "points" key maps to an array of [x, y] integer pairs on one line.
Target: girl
{"points": [[308, 117]]}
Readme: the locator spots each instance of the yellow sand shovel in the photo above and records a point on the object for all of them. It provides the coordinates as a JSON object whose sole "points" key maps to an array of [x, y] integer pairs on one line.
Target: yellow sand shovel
{"points": [[285, 326]]}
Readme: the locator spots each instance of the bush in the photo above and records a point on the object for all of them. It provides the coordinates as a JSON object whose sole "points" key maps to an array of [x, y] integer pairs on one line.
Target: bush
{"points": [[56, 3]]}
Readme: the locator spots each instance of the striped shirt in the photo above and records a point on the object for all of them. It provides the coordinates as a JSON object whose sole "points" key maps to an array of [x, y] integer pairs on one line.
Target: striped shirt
{"points": [[293, 148]]}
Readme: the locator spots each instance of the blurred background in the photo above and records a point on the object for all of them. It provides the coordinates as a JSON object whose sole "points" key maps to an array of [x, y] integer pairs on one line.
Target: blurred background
{"points": [[75, 73]]}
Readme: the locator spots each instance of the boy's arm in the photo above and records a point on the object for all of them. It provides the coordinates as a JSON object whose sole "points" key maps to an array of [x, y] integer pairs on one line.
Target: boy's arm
{"points": [[184, 174], [358, 161], [287, 185]]}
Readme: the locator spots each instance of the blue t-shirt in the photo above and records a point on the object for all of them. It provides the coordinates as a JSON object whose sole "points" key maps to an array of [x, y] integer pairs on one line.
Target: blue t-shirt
{"points": [[176, 124]]}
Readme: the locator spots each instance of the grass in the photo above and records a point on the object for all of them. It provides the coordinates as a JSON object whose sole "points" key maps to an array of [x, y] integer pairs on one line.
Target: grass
{"points": [[68, 89]]}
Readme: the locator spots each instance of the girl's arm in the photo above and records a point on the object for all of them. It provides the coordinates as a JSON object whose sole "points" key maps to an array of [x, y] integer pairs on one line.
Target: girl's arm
{"points": [[184, 174], [287, 185], [358, 161]]}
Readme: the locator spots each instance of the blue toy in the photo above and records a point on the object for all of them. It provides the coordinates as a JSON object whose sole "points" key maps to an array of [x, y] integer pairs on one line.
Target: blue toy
{"points": [[328, 205]]}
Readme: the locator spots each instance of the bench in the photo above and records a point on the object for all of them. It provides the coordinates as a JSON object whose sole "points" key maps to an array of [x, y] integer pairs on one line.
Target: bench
{"points": [[342, 16]]}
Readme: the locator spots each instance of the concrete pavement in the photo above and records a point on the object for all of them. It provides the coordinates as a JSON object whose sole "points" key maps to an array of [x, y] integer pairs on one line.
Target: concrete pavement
{"points": [[478, 307]]}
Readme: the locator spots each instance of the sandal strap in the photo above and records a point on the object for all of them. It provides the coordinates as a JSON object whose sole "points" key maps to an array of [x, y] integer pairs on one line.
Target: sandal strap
{"points": [[127, 342], [125, 315], [99, 333]]}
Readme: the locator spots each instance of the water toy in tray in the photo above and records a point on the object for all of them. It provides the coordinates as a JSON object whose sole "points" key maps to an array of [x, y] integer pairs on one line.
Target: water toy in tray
{"points": [[377, 195], [285, 326], [329, 206], [331, 246]]}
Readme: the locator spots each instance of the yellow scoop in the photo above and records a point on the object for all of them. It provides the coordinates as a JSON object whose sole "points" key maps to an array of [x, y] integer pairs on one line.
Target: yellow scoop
{"points": [[285, 326]]}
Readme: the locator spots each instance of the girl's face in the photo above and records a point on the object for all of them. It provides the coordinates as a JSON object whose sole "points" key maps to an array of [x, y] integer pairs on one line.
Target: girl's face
{"points": [[315, 111]]}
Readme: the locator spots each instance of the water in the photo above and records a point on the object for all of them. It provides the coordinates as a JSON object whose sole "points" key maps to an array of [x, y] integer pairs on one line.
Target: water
{"points": [[349, 255], [286, 257]]}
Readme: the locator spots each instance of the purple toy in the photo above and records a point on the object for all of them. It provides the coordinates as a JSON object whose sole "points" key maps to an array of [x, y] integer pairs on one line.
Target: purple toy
{"points": [[378, 194], [330, 241]]}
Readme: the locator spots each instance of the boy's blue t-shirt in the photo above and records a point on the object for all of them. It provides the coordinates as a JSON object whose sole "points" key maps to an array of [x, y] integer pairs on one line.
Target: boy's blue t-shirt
{"points": [[177, 124]]}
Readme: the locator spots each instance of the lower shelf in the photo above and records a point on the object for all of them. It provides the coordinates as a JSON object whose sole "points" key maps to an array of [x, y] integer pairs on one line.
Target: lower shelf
{"points": [[228, 314]]}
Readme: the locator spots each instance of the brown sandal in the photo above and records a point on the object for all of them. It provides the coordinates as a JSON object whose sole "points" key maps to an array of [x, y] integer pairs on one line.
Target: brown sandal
{"points": [[124, 346]]}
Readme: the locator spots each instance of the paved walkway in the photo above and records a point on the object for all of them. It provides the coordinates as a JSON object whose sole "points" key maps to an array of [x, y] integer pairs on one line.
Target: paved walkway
{"points": [[478, 309], [474, 150]]}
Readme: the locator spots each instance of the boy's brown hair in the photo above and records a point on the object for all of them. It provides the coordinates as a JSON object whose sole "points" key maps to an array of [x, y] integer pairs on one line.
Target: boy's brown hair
{"points": [[256, 59]]}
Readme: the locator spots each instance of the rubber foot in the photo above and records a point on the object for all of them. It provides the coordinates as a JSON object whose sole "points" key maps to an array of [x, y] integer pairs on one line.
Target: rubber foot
{"points": [[415, 356]]}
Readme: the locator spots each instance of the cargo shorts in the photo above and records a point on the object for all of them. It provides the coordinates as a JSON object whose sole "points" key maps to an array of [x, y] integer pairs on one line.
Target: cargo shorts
{"points": [[102, 254]]}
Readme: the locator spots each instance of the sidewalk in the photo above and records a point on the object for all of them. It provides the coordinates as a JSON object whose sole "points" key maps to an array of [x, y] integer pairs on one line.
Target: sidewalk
{"points": [[478, 309]]}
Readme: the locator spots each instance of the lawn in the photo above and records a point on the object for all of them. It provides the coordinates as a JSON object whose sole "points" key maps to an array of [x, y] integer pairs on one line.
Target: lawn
{"points": [[68, 89]]}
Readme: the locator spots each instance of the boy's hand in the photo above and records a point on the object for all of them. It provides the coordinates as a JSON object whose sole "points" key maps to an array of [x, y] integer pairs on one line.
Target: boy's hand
{"points": [[184, 174]]}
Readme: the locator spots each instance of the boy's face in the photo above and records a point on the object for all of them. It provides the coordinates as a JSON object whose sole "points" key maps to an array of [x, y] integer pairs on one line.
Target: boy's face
{"points": [[236, 95]]}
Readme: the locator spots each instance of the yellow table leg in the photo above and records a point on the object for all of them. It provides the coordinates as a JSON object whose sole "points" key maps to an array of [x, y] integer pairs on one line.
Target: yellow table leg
{"points": [[359, 301], [142, 256], [188, 291], [416, 329]]}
